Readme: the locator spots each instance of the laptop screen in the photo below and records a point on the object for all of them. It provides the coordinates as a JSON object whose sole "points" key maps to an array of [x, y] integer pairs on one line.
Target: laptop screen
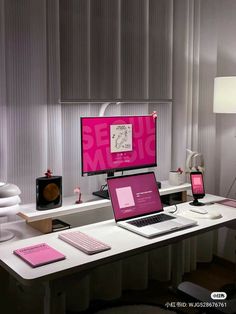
{"points": [[134, 195]]}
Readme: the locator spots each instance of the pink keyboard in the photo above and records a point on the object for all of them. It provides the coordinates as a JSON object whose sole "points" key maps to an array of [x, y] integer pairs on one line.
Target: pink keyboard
{"points": [[84, 242]]}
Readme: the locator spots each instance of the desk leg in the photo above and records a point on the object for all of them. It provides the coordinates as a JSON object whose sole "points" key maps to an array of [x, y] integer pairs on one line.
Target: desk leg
{"points": [[54, 299], [177, 263]]}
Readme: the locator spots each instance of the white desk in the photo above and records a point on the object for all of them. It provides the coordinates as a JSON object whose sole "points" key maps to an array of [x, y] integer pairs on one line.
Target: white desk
{"points": [[123, 243]]}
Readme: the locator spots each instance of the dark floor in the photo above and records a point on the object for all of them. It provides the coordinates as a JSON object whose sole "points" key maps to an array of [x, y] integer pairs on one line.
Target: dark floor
{"points": [[212, 276]]}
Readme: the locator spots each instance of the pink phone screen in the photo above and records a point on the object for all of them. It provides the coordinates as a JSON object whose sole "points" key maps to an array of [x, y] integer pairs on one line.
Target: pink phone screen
{"points": [[197, 184]]}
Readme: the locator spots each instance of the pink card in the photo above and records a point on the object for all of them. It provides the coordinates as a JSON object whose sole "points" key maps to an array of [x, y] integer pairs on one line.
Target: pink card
{"points": [[228, 202], [39, 254]]}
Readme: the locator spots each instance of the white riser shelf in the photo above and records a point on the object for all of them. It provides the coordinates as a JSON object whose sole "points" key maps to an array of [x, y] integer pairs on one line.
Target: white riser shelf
{"points": [[30, 214]]}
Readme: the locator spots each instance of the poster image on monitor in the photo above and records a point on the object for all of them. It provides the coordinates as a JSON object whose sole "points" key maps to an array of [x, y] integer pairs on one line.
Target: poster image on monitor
{"points": [[111, 144]]}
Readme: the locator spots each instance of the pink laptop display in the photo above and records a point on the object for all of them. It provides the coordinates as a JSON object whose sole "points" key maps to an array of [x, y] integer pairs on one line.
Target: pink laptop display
{"points": [[134, 196]]}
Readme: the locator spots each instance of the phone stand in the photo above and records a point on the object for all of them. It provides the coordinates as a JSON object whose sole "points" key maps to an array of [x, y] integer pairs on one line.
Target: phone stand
{"points": [[196, 203], [197, 207]]}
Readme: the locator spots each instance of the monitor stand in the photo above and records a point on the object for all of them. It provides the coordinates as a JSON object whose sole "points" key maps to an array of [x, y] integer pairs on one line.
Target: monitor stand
{"points": [[103, 192]]}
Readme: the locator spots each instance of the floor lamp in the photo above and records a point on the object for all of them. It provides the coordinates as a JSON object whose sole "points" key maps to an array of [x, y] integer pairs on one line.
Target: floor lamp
{"points": [[9, 200]]}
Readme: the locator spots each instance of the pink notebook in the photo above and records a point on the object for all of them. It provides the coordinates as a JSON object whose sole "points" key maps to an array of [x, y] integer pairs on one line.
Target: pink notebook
{"points": [[39, 254]]}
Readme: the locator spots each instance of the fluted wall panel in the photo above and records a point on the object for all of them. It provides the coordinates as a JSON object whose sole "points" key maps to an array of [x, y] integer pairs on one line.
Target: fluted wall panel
{"points": [[116, 49], [71, 146], [26, 83], [75, 49], [3, 108], [160, 49], [104, 49], [54, 122], [134, 109], [37, 131], [133, 49], [207, 72], [164, 138]]}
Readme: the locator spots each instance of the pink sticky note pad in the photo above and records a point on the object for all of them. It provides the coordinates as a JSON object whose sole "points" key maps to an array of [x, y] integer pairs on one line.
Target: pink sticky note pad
{"points": [[39, 254]]}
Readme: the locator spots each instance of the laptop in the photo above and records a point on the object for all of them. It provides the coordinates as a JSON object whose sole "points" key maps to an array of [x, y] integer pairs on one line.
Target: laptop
{"points": [[137, 206]]}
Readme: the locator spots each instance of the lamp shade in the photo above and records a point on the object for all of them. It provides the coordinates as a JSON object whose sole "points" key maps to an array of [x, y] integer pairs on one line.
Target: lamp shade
{"points": [[8, 190], [224, 94]]}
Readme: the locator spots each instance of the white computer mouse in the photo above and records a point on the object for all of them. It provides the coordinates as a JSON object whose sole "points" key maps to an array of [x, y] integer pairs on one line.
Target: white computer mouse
{"points": [[204, 214]]}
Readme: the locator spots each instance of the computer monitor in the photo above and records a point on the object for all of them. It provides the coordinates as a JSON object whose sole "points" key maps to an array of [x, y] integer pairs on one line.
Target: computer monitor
{"points": [[118, 143]]}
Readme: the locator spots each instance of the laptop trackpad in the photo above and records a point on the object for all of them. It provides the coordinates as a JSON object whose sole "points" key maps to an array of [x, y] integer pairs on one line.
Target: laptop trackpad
{"points": [[166, 225]]}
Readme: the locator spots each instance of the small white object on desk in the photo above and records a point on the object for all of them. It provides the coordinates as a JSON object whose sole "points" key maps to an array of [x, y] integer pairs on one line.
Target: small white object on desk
{"points": [[199, 210], [208, 212]]}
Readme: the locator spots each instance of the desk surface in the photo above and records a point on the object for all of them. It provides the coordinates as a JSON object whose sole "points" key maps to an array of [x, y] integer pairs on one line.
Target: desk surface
{"points": [[124, 243]]}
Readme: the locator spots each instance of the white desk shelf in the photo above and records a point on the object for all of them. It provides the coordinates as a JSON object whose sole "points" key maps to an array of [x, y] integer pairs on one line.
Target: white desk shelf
{"points": [[166, 188], [42, 219], [29, 212]]}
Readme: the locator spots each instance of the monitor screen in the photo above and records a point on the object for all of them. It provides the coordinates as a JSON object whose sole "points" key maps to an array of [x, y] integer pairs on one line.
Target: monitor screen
{"points": [[111, 144]]}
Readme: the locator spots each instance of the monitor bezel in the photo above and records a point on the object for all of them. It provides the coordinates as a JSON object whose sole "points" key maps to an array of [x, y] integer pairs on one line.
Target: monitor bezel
{"points": [[111, 171]]}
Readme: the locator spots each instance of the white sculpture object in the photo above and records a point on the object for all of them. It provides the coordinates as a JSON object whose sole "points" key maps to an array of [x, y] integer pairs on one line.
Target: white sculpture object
{"points": [[9, 206], [194, 162]]}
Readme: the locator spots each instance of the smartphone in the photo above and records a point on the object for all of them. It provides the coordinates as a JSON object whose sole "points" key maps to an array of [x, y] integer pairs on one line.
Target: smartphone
{"points": [[197, 184]]}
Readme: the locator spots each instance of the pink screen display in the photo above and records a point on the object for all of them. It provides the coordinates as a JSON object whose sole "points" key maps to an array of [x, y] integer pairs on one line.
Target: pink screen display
{"points": [[118, 143], [134, 195], [197, 184]]}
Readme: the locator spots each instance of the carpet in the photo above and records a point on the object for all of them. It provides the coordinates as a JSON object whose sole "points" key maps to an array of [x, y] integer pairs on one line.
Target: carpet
{"points": [[135, 309]]}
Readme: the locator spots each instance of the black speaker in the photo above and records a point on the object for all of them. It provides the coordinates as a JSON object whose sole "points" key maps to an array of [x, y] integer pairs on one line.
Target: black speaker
{"points": [[48, 192]]}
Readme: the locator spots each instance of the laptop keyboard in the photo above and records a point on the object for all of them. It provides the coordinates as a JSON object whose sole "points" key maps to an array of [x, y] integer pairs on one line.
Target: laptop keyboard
{"points": [[150, 220]]}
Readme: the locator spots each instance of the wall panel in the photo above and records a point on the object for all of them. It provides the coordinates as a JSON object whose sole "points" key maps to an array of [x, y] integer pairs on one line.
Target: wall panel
{"points": [[160, 49], [36, 131], [3, 108], [134, 49], [75, 49], [54, 143], [116, 49], [26, 90], [104, 50]]}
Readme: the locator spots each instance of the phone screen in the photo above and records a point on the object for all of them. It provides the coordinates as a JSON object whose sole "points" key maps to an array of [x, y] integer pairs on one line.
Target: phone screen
{"points": [[197, 184]]}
